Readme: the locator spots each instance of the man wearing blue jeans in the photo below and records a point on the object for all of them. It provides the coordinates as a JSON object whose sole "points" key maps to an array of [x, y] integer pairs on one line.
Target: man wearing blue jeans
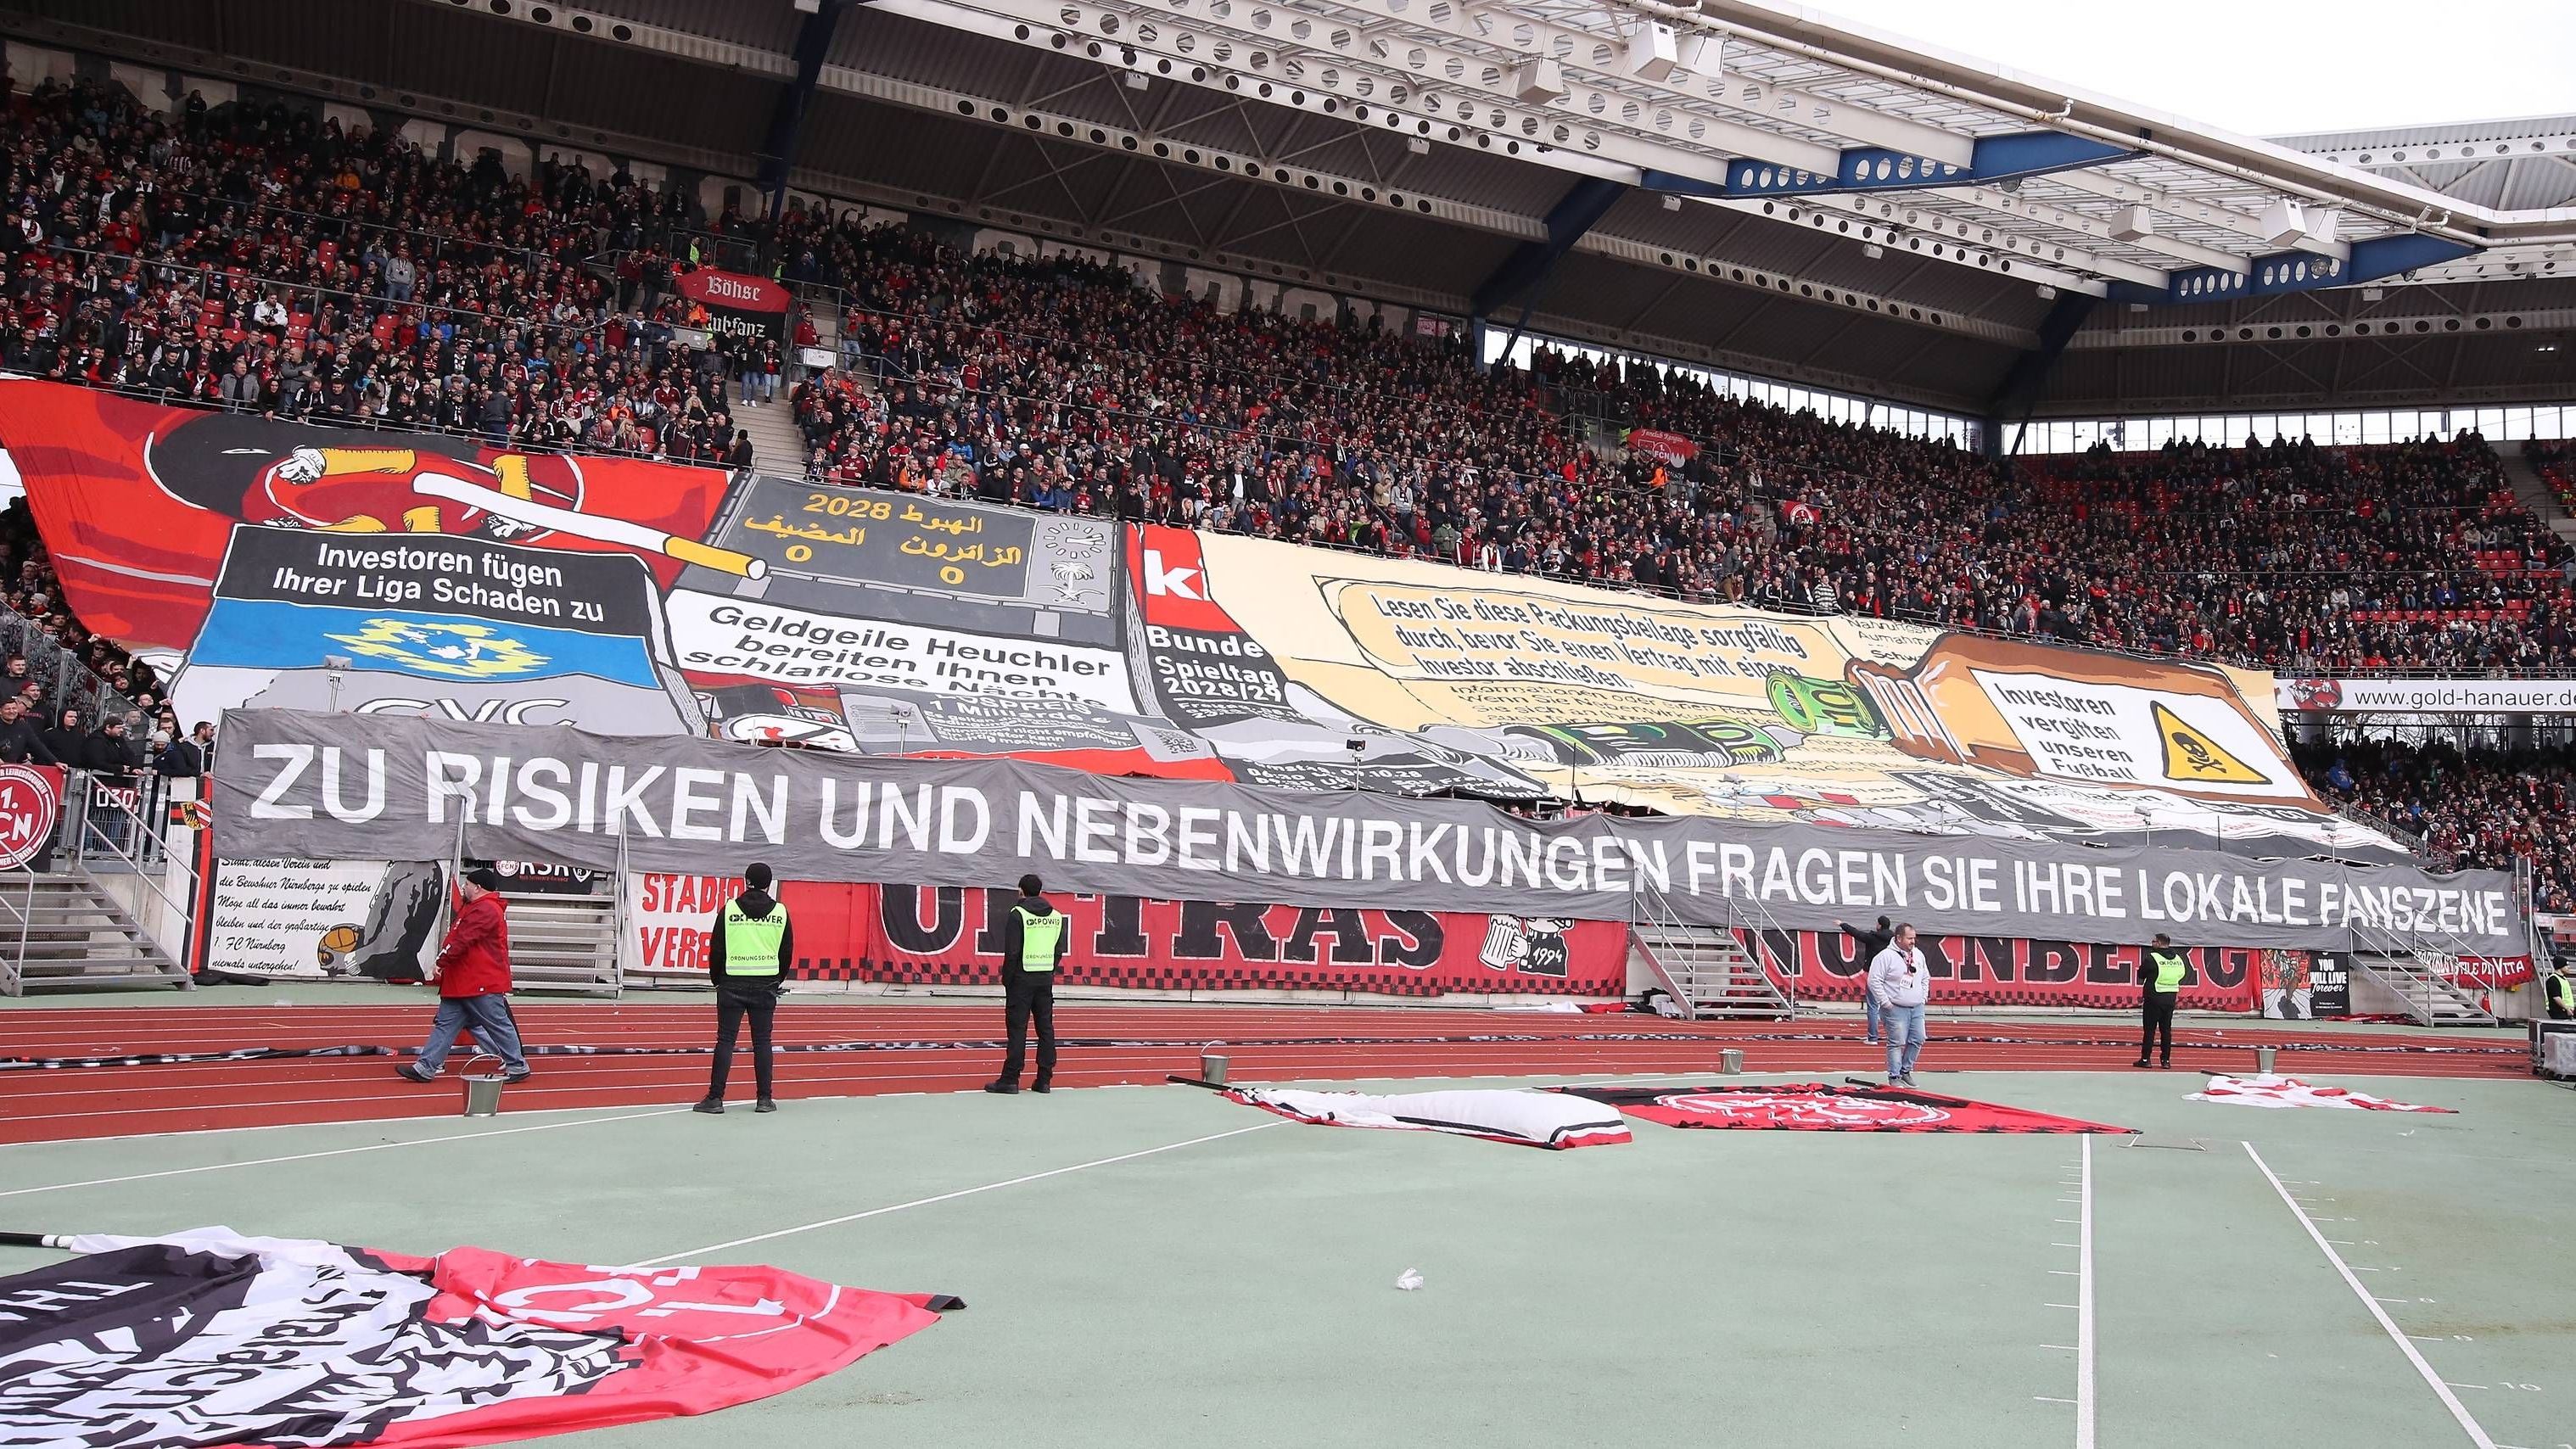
{"points": [[1900, 984], [473, 984]]}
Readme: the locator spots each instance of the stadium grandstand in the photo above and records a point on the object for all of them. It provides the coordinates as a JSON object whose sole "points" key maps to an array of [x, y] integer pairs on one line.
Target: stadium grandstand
{"points": [[1498, 571]]}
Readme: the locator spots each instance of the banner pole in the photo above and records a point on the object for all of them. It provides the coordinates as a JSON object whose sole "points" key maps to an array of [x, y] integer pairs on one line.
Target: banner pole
{"points": [[623, 923]]}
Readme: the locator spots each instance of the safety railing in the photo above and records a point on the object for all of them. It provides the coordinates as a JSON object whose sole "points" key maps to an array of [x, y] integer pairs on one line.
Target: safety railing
{"points": [[2427, 968], [66, 682], [17, 927], [218, 284], [1745, 928], [117, 826], [1766, 930]]}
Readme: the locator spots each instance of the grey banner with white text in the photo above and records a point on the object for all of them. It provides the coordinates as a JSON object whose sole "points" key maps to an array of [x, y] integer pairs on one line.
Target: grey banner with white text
{"points": [[324, 786]]}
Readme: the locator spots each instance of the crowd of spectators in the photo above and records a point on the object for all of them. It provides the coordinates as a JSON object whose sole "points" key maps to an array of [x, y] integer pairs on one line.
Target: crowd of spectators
{"points": [[2555, 462], [1057, 383], [263, 259], [257, 258], [70, 697], [2472, 808]]}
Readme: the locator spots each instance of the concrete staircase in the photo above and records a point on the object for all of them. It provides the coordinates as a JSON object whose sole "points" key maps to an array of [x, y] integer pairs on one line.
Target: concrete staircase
{"points": [[777, 444], [65, 932], [2532, 493], [1709, 972]]}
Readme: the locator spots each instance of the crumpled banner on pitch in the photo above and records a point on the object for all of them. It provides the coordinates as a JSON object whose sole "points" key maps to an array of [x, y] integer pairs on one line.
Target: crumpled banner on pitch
{"points": [[2270, 1090], [1524, 1119], [1821, 1107]]}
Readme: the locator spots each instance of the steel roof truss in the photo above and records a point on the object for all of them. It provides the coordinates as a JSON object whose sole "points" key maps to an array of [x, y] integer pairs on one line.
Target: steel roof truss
{"points": [[1531, 37]]}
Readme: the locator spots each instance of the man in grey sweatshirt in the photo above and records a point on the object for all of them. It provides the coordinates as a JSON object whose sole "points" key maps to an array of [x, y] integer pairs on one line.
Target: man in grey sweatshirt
{"points": [[1900, 984]]}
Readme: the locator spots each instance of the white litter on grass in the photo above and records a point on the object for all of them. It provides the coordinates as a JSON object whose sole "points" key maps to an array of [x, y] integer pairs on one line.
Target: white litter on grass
{"points": [[1409, 1279]]}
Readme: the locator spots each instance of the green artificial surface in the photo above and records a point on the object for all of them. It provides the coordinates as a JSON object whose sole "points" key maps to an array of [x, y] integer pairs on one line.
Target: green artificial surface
{"points": [[1696, 1287]]}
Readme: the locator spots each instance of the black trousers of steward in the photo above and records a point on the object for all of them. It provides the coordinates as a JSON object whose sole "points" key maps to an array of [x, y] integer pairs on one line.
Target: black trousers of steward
{"points": [[2159, 1010], [1027, 996], [733, 1003]]}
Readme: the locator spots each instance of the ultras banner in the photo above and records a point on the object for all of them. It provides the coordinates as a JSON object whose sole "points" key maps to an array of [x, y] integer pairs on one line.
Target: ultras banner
{"points": [[952, 936], [330, 786], [2010, 971], [739, 305]]}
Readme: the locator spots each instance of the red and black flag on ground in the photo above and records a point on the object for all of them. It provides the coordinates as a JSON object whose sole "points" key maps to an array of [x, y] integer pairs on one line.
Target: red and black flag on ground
{"points": [[1819, 1107], [209, 1338]]}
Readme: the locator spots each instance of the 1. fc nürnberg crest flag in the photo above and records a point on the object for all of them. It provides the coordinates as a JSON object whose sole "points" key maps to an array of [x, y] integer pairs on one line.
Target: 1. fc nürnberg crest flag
{"points": [[210, 1338], [31, 800]]}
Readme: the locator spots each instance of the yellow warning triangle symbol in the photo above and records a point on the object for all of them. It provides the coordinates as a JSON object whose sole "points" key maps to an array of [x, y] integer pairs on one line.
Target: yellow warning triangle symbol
{"points": [[2194, 758]]}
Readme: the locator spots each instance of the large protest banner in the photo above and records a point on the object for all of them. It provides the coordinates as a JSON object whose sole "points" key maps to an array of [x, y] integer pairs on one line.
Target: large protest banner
{"points": [[888, 623], [137, 502], [459, 626], [1499, 685], [330, 786]]}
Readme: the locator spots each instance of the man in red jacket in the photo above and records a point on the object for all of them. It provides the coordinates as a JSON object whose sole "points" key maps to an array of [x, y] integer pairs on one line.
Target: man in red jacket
{"points": [[473, 984]]}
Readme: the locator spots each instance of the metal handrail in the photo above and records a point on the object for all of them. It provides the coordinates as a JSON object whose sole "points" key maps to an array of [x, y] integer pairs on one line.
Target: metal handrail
{"points": [[218, 282], [1742, 914], [145, 858], [69, 683], [1639, 915], [1785, 972], [621, 921], [2425, 947], [12, 968]]}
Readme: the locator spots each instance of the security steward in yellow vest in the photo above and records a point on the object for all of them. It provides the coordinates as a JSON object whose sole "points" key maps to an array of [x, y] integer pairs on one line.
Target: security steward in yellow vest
{"points": [[2558, 993], [2160, 972], [747, 955], [1034, 937]]}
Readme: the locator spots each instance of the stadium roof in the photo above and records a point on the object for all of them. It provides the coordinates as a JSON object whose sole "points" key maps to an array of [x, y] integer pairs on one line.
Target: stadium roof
{"points": [[1747, 184]]}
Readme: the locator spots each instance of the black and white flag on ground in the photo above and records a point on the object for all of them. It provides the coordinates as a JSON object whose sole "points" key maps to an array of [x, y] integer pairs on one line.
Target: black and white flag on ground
{"points": [[210, 1338]]}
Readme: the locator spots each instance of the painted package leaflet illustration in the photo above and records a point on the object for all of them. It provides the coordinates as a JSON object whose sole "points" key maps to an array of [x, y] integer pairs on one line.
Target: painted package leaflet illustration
{"points": [[1214, 677], [1711, 710], [137, 502], [454, 626]]}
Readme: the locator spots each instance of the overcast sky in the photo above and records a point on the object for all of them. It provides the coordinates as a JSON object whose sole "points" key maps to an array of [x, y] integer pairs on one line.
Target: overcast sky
{"points": [[2265, 68]]}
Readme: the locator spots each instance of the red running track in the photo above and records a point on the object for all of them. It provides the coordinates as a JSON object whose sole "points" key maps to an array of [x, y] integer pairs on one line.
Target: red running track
{"points": [[944, 1051]]}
